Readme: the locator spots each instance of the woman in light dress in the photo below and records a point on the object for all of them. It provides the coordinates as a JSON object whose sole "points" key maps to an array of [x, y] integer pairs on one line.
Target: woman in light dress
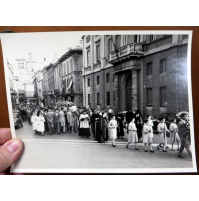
{"points": [[174, 137], [113, 130], [84, 128], [162, 129], [133, 137], [34, 122], [41, 121], [147, 135], [150, 123]]}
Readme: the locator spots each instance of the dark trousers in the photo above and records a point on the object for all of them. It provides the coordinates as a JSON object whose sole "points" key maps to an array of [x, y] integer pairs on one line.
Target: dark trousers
{"points": [[29, 120], [24, 117], [57, 127], [46, 126], [185, 143], [51, 129]]}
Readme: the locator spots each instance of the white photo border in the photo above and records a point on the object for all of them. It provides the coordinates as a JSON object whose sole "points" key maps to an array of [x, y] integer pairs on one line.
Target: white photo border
{"points": [[132, 170]]}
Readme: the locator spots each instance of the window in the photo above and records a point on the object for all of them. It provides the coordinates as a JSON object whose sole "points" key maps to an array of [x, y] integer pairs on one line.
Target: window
{"points": [[107, 77], [124, 40], [109, 47], [149, 69], [64, 69], [135, 38], [150, 37], [88, 58], [98, 98], [108, 98], [162, 66], [98, 80], [118, 41], [98, 52], [163, 96], [88, 82], [113, 77], [19, 65], [89, 99], [149, 96], [71, 65], [22, 65], [88, 39]]}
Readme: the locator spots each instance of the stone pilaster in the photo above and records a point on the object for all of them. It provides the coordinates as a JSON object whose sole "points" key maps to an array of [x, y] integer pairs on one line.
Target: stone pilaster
{"points": [[116, 94], [134, 89]]}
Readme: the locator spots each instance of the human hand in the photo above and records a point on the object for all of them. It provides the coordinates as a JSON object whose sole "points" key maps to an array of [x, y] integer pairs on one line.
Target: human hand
{"points": [[10, 149]]}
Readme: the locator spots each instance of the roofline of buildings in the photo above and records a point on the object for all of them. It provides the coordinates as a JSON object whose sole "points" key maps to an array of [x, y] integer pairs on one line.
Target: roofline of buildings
{"points": [[64, 56]]}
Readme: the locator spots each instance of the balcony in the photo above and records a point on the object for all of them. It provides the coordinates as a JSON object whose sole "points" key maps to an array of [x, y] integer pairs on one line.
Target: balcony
{"points": [[87, 69], [132, 49], [97, 65]]}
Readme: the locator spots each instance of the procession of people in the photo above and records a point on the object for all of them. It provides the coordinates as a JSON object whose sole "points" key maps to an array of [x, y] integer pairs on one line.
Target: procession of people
{"points": [[104, 126]]}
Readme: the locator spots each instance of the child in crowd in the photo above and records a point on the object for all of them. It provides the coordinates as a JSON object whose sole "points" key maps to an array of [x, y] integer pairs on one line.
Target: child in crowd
{"points": [[133, 137], [147, 135]]}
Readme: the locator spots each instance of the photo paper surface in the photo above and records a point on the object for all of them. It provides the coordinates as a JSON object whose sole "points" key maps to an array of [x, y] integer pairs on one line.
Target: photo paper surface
{"points": [[101, 101]]}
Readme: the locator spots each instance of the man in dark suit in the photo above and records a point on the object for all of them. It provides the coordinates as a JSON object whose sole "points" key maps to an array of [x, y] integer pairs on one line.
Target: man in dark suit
{"points": [[184, 134], [50, 121], [57, 122]]}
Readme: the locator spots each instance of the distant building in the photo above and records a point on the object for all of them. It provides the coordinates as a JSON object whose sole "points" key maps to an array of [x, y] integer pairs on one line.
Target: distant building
{"points": [[12, 86], [148, 72], [23, 71], [62, 79]]}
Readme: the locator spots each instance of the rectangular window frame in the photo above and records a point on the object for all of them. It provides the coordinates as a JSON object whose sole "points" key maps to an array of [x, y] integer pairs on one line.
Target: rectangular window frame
{"points": [[163, 100], [108, 98], [89, 99], [149, 92], [88, 55], [88, 82], [98, 80], [163, 63], [98, 98], [149, 69], [107, 77], [98, 52]]}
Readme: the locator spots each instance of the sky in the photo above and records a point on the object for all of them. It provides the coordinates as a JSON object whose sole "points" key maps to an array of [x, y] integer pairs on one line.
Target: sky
{"points": [[41, 45]]}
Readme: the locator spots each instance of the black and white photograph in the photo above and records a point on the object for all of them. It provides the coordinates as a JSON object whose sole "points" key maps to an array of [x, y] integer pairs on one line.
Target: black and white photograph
{"points": [[101, 101]]}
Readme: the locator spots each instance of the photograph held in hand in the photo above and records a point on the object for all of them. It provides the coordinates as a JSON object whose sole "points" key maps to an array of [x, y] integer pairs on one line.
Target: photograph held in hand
{"points": [[102, 101]]}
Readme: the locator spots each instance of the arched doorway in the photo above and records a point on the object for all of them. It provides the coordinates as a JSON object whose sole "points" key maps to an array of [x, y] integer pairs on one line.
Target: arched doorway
{"points": [[129, 92]]}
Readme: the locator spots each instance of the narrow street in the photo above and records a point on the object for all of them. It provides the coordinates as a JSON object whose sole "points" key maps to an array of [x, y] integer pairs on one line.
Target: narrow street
{"points": [[68, 151]]}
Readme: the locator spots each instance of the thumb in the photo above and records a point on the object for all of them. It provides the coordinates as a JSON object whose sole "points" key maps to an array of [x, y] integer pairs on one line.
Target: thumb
{"points": [[9, 153]]}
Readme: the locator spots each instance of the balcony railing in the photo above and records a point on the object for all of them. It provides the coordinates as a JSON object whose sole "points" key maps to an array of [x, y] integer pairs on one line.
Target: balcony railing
{"points": [[87, 69], [136, 48], [97, 65]]}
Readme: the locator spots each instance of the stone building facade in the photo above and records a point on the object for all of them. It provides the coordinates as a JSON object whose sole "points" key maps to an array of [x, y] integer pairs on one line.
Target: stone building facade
{"points": [[62, 79], [148, 72]]}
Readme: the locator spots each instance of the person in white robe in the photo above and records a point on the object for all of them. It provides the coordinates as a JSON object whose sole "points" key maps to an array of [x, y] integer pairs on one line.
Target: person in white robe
{"points": [[41, 121], [133, 137], [34, 122], [84, 128], [113, 130]]}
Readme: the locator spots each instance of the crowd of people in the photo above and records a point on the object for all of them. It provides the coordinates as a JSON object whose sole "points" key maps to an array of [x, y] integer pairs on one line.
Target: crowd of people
{"points": [[102, 126]]}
